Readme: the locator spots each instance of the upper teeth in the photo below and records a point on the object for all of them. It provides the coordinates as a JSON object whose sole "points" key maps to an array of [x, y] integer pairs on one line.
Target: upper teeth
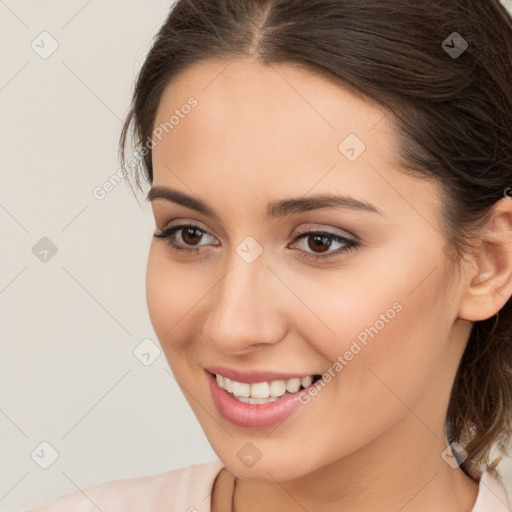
{"points": [[273, 388]]}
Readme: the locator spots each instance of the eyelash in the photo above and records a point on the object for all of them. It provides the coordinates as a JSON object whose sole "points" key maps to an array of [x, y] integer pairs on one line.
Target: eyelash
{"points": [[350, 245]]}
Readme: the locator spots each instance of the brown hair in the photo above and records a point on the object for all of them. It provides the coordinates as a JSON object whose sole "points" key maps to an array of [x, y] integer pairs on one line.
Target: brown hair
{"points": [[453, 114]]}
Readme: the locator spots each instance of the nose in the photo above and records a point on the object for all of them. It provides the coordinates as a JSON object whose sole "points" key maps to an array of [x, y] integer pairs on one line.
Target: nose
{"points": [[246, 308]]}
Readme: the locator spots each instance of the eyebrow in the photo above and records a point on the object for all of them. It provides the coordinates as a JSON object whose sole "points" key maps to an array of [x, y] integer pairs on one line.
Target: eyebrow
{"points": [[275, 209]]}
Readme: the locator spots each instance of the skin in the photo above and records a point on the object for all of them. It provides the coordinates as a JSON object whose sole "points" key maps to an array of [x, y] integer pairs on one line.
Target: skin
{"points": [[372, 439]]}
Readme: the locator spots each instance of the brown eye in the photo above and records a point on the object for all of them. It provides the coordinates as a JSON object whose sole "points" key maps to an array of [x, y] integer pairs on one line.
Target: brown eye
{"points": [[319, 242], [190, 236]]}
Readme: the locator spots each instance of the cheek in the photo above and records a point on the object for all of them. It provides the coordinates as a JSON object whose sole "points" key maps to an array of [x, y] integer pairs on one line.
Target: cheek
{"points": [[389, 363], [385, 331], [172, 295]]}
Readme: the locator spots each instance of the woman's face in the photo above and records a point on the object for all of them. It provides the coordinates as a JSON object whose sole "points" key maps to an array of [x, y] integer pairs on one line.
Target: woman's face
{"points": [[257, 145]]}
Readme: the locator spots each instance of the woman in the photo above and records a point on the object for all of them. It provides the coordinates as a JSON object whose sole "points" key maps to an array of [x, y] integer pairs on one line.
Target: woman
{"points": [[331, 270]]}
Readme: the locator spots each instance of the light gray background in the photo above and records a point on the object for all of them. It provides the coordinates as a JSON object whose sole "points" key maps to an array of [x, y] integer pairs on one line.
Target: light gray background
{"points": [[69, 325]]}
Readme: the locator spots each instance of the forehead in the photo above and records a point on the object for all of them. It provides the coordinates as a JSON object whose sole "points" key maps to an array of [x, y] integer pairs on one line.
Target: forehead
{"points": [[249, 92], [282, 130], [264, 115]]}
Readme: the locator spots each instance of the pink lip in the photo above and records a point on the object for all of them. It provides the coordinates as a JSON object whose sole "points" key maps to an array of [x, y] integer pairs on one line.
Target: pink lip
{"points": [[252, 376], [253, 415]]}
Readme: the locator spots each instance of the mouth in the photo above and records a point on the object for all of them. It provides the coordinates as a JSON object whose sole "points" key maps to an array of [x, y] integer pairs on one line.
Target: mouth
{"points": [[258, 404], [264, 392]]}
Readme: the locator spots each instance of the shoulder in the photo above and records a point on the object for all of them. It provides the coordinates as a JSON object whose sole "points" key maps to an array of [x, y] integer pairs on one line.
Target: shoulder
{"points": [[185, 488], [492, 496]]}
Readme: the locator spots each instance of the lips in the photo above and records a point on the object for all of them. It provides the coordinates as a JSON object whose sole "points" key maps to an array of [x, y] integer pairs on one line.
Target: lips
{"points": [[253, 415]]}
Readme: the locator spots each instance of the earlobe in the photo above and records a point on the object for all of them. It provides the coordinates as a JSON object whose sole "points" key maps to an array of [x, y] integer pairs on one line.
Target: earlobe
{"points": [[489, 281]]}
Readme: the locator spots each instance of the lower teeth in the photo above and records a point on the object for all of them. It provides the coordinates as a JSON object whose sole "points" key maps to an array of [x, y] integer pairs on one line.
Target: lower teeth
{"points": [[251, 400]]}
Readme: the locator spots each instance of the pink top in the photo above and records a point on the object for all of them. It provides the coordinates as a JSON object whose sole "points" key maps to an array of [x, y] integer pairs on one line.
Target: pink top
{"points": [[188, 490]]}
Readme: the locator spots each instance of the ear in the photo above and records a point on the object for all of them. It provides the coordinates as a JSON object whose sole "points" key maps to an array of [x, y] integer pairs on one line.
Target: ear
{"points": [[489, 277]]}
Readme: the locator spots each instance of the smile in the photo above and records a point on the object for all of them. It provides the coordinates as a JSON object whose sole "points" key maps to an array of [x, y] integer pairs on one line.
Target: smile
{"points": [[266, 391], [259, 403]]}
